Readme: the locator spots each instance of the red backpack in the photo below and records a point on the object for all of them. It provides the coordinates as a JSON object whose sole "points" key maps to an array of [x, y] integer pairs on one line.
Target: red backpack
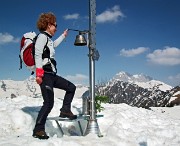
{"points": [[27, 50]]}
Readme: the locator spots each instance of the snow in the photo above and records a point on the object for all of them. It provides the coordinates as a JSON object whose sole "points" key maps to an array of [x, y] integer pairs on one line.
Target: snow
{"points": [[121, 124], [162, 86], [141, 80]]}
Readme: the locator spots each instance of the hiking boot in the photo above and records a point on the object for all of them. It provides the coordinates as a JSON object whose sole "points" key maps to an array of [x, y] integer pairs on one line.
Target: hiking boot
{"points": [[68, 115], [40, 135]]}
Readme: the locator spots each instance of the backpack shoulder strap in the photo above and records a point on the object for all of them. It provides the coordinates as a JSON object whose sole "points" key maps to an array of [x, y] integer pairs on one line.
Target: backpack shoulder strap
{"points": [[47, 35], [20, 67], [46, 51]]}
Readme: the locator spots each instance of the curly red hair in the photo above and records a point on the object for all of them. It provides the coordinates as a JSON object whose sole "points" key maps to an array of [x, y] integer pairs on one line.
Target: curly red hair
{"points": [[44, 20]]}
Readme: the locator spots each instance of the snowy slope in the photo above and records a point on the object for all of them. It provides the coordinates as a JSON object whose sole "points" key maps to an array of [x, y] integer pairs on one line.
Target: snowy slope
{"points": [[122, 125], [28, 87]]}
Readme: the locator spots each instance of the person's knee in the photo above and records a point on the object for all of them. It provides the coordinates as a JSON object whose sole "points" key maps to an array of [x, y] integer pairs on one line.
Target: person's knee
{"points": [[50, 98], [72, 87]]}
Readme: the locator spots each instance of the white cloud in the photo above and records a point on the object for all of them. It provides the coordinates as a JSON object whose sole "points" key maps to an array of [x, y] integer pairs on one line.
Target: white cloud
{"points": [[133, 52], [175, 80], [110, 15], [7, 38], [78, 78], [176, 77], [167, 56], [71, 16]]}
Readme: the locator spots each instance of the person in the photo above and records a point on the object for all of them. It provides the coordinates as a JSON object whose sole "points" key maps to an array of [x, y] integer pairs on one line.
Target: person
{"points": [[46, 73]]}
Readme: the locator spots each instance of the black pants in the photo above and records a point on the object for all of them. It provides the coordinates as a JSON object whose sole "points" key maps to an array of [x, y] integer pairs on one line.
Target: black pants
{"points": [[51, 81]]}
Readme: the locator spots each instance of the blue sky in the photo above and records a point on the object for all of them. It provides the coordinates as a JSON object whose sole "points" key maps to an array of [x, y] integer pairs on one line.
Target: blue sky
{"points": [[135, 36]]}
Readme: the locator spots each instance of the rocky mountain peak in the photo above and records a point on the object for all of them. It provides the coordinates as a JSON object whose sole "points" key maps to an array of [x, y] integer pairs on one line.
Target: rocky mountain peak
{"points": [[127, 77]]}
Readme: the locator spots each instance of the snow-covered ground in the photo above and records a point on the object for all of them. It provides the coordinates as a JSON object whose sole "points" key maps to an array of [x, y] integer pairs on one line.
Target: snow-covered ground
{"points": [[122, 125]]}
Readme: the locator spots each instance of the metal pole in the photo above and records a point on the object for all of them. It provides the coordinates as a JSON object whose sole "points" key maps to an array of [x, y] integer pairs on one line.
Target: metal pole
{"points": [[92, 47], [92, 126]]}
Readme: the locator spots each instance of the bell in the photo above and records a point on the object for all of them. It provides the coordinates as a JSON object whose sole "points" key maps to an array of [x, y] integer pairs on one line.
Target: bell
{"points": [[80, 40]]}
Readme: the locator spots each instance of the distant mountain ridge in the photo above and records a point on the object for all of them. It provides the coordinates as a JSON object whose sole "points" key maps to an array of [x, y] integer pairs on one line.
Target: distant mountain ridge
{"points": [[29, 87], [136, 90], [11, 88], [141, 80], [127, 77]]}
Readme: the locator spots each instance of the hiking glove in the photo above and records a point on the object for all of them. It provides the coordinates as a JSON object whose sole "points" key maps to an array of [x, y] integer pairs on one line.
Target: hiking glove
{"points": [[39, 75], [39, 80]]}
